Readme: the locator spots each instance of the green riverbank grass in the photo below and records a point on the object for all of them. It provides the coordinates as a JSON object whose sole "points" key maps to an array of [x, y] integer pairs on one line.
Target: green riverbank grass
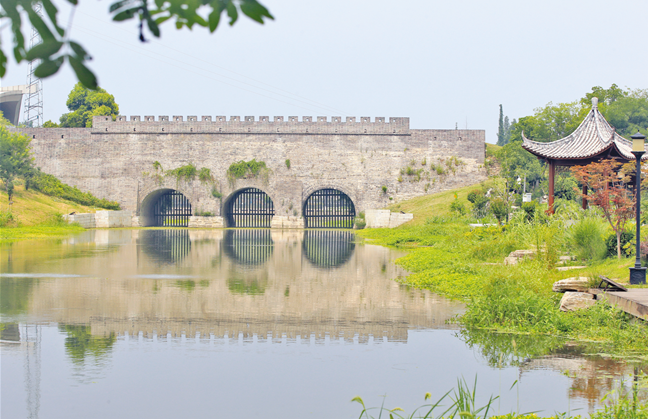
{"points": [[451, 259], [34, 215]]}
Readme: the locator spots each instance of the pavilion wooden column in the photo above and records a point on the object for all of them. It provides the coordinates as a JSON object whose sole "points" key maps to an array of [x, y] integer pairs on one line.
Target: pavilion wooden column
{"points": [[584, 197], [552, 174]]}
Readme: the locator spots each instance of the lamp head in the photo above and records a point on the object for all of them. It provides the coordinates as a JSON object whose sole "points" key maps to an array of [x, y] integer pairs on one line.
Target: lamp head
{"points": [[638, 142]]}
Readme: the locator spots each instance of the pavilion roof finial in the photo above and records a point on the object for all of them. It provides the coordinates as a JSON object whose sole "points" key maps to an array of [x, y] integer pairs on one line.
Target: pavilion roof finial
{"points": [[594, 102]]}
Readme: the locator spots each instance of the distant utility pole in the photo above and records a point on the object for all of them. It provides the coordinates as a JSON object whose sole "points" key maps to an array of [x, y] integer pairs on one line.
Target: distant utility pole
{"points": [[34, 96]]}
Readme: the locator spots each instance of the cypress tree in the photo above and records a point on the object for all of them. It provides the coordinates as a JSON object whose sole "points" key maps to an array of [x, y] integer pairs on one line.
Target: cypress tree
{"points": [[500, 131]]}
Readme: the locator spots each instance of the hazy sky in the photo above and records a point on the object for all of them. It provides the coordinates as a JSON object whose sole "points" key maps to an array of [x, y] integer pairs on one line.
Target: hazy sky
{"points": [[440, 63]]}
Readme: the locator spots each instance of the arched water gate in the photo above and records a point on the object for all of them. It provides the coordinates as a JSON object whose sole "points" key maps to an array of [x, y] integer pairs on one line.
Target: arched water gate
{"points": [[165, 208], [249, 207], [329, 208]]}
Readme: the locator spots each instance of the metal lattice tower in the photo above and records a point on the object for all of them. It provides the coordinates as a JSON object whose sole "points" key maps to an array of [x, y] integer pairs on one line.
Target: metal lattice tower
{"points": [[34, 97]]}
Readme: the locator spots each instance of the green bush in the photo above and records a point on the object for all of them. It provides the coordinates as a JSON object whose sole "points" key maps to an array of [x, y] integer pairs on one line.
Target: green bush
{"points": [[457, 207], [360, 221], [611, 243], [586, 237], [50, 185], [6, 218], [474, 194], [500, 209], [288, 163], [529, 209]]}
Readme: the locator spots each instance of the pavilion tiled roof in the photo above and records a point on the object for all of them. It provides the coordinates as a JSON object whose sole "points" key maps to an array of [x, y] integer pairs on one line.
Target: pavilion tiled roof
{"points": [[594, 136]]}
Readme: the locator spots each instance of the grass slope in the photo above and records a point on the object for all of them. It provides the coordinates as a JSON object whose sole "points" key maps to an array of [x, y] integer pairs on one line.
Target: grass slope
{"points": [[31, 208], [427, 206], [36, 215]]}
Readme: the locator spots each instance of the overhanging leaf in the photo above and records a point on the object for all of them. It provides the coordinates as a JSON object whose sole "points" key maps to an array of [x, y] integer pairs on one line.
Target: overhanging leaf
{"points": [[85, 76], [255, 10], [232, 12], [44, 50], [3, 64], [79, 50], [125, 15], [48, 67]]}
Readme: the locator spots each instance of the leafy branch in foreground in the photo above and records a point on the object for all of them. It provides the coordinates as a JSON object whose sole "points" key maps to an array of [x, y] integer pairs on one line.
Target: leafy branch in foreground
{"points": [[57, 48]]}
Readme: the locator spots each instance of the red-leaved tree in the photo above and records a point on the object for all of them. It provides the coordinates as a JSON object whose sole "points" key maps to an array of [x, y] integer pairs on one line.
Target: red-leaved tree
{"points": [[609, 190]]}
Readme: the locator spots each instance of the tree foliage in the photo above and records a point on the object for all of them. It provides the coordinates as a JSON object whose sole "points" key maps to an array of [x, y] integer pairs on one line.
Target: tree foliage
{"points": [[15, 157], [84, 103], [625, 110], [57, 48], [608, 190]]}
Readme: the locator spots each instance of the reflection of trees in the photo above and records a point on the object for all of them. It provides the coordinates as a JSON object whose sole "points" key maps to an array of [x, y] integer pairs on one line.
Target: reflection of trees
{"points": [[248, 247], [328, 248], [80, 343], [10, 332], [592, 376], [503, 350], [14, 295], [165, 246]]}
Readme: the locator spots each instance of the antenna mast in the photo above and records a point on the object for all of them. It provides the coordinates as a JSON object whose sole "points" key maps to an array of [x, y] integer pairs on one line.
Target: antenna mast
{"points": [[34, 95]]}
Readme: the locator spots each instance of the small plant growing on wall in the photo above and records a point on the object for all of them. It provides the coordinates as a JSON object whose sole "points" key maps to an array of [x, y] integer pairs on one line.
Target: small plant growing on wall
{"points": [[247, 169], [384, 189], [288, 163], [215, 193]]}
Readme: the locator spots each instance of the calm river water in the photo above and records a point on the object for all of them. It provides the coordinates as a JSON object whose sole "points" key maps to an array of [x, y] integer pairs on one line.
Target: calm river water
{"points": [[252, 323]]}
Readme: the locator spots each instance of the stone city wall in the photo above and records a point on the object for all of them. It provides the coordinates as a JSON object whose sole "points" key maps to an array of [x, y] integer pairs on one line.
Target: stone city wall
{"points": [[368, 160]]}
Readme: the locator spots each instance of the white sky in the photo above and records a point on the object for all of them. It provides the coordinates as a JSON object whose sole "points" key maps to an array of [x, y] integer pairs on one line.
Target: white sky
{"points": [[437, 62]]}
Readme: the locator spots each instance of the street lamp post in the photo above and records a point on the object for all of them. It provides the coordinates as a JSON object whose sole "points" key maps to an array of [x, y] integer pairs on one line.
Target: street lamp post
{"points": [[638, 273]]}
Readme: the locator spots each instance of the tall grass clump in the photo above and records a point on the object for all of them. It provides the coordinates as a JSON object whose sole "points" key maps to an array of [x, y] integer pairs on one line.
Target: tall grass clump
{"points": [[587, 237], [463, 405]]}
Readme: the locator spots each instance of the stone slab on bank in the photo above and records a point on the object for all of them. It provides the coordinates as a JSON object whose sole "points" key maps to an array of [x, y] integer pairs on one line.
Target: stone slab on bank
{"points": [[386, 218]]}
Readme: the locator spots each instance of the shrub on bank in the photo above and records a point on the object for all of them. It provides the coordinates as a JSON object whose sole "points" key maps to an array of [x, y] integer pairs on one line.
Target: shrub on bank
{"points": [[50, 185]]}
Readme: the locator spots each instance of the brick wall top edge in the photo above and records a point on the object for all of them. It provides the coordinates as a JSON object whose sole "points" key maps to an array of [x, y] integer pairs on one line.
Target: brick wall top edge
{"points": [[247, 119]]}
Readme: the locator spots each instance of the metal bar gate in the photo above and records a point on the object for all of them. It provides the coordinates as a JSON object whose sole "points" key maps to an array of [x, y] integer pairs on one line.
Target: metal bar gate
{"points": [[329, 208], [173, 209], [250, 207]]}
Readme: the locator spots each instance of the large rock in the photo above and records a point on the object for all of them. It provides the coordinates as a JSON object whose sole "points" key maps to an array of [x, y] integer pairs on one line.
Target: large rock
{"points": [[573, 301], [579, 284], [515, 256]]}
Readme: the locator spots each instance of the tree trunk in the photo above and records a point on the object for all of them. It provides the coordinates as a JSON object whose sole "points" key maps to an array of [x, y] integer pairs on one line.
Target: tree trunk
{"points": [[618, 234]]}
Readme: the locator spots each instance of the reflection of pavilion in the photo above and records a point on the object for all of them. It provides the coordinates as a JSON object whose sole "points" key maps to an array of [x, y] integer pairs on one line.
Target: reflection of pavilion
{"points": [[284, 296]]}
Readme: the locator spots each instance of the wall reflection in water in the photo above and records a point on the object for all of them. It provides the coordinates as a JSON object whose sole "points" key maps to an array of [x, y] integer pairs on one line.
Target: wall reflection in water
{"points": [[168, 246], [249, 282], [328, 248]]}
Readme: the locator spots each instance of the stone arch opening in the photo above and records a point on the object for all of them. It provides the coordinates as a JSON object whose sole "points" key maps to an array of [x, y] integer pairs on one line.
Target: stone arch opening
{"points": [[328, 248], [249, 207], [165, 208], [329, 208]]}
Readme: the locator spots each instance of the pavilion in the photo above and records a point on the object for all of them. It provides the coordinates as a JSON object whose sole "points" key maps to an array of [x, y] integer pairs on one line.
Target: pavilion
{"points": [[593, 140]]}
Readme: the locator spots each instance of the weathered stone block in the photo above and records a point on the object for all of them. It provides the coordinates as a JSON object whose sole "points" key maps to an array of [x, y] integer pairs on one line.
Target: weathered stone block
{"points": [[572, 301], [578, 284]]}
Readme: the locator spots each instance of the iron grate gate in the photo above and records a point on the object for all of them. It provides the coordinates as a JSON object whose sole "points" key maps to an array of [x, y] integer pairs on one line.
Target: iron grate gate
{"points": [[250, 207], [172, 209], [329, 208]]}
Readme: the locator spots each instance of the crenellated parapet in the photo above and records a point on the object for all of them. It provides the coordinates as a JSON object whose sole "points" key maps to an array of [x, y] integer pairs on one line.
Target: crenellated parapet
{"points": [[320, 125]]}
